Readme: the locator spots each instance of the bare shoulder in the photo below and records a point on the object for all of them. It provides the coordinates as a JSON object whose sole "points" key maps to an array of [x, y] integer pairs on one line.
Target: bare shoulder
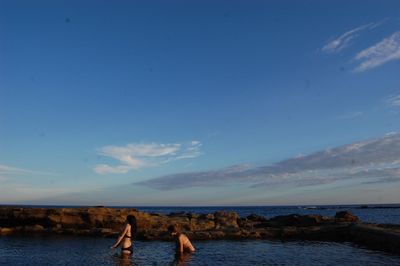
{"points": [[183, 238], [127, 228]]}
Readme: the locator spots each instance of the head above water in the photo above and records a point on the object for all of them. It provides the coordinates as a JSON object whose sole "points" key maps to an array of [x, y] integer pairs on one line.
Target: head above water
{"points": [[131, 220], [172, 229]]}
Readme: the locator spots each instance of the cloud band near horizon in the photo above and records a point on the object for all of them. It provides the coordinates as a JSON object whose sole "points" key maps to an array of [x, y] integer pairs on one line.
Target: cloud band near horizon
{"points": [[371, 161]]}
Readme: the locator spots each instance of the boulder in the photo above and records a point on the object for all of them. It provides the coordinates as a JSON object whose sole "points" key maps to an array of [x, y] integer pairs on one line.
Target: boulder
{"points": [[201, 224], [6, 231], [346, 216], [226, 220], [174, 214], [296, 220], [216, 234], [208, 216], [256, 218], [73, 219]]}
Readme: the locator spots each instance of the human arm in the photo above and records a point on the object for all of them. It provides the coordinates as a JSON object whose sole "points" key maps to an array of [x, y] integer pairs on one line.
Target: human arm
{"points": [[121, 236], [180, 244]]}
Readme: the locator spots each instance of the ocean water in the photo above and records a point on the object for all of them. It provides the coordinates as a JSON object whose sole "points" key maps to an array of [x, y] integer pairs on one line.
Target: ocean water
{"points": [[70, 250]]}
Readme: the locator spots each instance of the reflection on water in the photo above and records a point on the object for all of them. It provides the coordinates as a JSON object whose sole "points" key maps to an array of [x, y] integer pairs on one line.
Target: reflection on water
{"points": [[123, 259], [69, 250], [182, 259]]}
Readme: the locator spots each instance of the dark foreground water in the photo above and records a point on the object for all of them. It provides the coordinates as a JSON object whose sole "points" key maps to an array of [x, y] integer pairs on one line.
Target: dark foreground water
{"points": [[69, 250]]}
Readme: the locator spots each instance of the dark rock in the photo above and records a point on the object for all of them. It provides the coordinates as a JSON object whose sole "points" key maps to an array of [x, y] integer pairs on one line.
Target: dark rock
{"points": [[208, 216], [193, 215], [296, 220], [256, 218], [345, 216], [216, 234], [174, 214], [202, 235], [375, 237], [226, 220], [201, 224]]}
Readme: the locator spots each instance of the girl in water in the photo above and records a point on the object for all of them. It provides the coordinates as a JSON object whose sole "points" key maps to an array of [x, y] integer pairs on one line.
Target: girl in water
{"points": [[182, 241], [126, 235]]}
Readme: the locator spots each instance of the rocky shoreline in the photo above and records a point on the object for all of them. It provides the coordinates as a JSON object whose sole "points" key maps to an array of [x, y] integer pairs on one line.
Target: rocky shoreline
{"points": [[107, 222]]}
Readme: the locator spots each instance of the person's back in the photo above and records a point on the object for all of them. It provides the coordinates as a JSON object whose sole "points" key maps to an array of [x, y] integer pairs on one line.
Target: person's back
{"points": [[126, 236], [182, 241], [184, 244]]}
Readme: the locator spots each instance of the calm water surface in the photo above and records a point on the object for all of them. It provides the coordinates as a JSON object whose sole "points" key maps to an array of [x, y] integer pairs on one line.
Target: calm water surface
{"points": [[69, 250]]}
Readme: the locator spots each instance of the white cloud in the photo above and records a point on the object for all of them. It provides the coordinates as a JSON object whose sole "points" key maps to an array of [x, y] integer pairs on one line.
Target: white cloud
{"points": [[345, 39], [106, 169], [382, 52], [391, 133], [393, 101], [196, 142], [137, 156]]}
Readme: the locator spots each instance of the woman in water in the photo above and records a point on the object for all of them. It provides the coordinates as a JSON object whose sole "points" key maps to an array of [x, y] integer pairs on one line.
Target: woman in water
{"points": [[182, 241], [126, 235]]}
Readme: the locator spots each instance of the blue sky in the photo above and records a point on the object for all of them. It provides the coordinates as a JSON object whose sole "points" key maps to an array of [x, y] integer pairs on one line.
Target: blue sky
{"points": [[101, 97]]}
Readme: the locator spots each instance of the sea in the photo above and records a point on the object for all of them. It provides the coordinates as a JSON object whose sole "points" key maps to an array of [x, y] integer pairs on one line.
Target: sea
{"points": [[79, 250]]}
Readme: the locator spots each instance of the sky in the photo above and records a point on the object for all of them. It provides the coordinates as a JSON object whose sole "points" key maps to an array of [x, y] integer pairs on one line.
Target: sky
{"points": [[199, 102]]}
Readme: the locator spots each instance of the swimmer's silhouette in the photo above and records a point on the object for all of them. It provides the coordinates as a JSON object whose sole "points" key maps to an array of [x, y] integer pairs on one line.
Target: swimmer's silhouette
{"points": [[183, 243], [127, 234]]}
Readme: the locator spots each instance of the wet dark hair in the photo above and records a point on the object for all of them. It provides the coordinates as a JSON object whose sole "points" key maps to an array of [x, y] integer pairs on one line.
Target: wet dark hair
{"points": [[131, 219], [172, 229]]}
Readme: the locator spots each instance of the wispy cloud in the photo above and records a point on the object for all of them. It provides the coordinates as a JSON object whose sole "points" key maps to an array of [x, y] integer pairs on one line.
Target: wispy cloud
{"points": [[14, 170], [107, 169], [375, 159], [27, 193], [380, 53], [48, 191], [136, 156], [345, 39], [350, 115], [393, 101], [9, 171], [393, 176], [200, 179], [6, 171]]}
